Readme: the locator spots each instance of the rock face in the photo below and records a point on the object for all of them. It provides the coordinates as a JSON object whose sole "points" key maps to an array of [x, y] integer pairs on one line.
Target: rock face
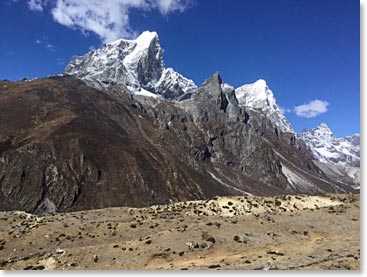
{"points": [[327, 148], [247, 142], [66, 146], [135, 65]]}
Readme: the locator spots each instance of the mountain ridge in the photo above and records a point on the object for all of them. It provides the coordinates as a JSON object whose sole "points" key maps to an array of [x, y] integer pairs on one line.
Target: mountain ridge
{"points": [[111, 132], [172, 86], [66, 146], [138, 66]]}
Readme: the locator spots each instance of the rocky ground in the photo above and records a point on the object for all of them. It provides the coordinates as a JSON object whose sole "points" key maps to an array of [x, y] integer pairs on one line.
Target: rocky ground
{"points": [[285, 232]]}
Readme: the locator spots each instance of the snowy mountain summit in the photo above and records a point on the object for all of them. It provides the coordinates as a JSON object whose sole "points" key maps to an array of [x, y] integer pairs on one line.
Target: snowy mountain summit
{"points": [[136, 65], [258, 96], [327, 148]]}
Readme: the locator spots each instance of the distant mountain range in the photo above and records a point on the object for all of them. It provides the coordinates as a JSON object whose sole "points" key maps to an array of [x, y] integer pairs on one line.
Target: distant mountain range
{"points": [[118, 128], [327, 148]]}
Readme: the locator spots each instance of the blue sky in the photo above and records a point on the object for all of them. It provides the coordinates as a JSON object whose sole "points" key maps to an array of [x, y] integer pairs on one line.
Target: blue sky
{"points": [[306, 50]]}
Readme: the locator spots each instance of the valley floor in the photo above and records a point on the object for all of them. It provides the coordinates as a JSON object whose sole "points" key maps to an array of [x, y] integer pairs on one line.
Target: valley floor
{"points": [[285, 232]]}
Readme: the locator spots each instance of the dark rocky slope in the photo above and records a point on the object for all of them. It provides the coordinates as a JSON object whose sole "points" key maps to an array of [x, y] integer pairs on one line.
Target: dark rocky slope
{"points": [[66, 146]]}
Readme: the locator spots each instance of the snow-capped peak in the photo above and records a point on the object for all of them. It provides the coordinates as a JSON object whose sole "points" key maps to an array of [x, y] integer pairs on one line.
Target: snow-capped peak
{"points": [[133, 64], [323, 131], [327, 148], [145, 38], [323, 127], [143, 44], [258, 96]]}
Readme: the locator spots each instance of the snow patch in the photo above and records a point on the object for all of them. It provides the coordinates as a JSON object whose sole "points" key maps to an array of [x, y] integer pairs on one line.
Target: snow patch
{"points": [[228, 186], [144, 92]]}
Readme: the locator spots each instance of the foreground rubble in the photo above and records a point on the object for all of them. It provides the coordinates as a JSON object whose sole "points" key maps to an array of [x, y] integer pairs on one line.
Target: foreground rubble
{"points": [[284, 232]]}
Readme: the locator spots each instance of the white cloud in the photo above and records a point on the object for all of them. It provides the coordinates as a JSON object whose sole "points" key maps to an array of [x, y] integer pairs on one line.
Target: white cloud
{"points": [[168, 6], [36, 5], [50, 47], [284, 110], [109, 19], [312, 109], [44, 42]]}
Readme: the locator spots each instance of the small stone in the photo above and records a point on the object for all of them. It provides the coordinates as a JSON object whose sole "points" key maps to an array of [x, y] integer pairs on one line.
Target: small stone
{"points": [[39, 267], [206, 245], [192, 244], [234, 220], [269, 266], [211, 239], [60, 251], [217, 224], [240, 239], [273, 252], [95, 258]]}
